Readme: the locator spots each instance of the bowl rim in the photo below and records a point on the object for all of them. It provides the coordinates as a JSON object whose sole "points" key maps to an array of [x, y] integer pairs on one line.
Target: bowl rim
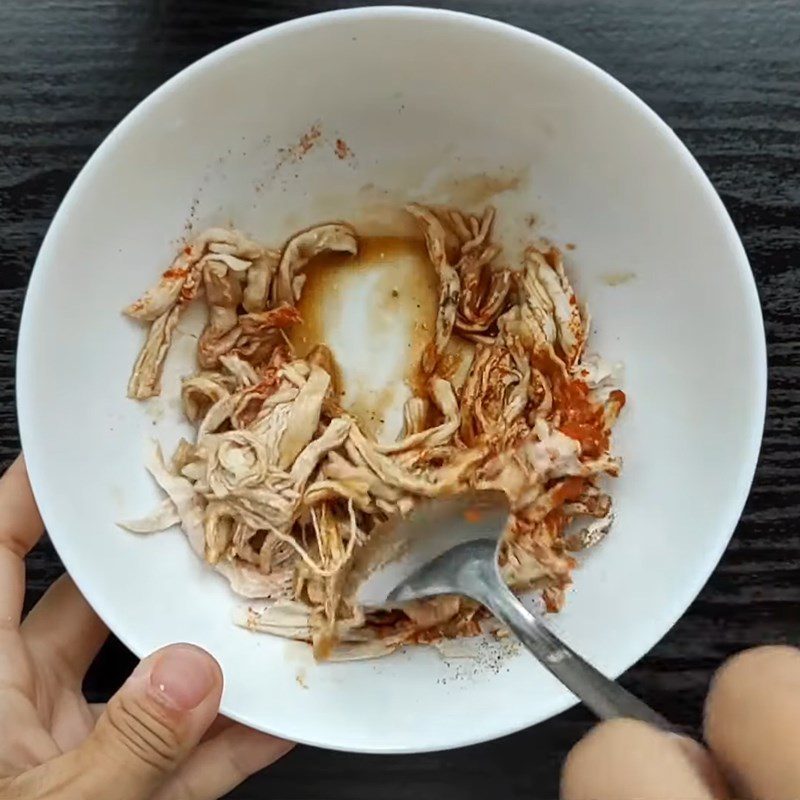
{"points": [[36, 450]]}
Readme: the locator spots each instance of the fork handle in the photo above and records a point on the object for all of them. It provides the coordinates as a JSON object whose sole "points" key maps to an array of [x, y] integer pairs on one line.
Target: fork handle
{"points": [[604, 697]]}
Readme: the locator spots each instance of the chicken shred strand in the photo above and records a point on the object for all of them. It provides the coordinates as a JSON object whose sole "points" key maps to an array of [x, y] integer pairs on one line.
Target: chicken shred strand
{"points": [[281, 488]]}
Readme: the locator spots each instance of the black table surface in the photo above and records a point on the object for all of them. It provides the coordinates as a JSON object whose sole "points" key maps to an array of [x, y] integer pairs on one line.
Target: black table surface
{"points": [[724, 75]]}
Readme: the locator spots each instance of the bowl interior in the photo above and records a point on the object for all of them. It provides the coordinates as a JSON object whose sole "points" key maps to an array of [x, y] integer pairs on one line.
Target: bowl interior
{"points": [[349, 115]]}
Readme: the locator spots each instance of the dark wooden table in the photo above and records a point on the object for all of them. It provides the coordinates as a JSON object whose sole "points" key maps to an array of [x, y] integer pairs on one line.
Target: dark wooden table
{"points": [[725, 75]]}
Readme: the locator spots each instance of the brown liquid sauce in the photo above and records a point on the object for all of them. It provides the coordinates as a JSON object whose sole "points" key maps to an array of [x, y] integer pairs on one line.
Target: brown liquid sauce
{"points": [[471, 191], [402, 295]]}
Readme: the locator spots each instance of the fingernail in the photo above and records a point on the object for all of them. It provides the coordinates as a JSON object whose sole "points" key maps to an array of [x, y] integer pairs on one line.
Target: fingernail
{"points": [[183, 676]]}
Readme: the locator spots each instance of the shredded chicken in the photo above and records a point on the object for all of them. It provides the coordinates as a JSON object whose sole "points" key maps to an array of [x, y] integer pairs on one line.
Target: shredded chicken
{"points": [[281, 489]]}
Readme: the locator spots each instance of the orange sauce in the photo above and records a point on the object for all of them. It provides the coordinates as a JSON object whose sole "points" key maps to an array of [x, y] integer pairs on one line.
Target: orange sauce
{"points": [[581, 419]]}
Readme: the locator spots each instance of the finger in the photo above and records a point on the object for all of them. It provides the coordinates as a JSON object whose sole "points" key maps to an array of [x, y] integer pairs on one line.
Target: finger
{"points": [[20, 528], [222, 763], [628, 760], [63, 629], [753, 722], [148, 728], [217, 726]]}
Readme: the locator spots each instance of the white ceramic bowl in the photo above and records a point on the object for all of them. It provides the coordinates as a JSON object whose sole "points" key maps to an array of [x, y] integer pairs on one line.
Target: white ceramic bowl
{"points": [[419, 97]]}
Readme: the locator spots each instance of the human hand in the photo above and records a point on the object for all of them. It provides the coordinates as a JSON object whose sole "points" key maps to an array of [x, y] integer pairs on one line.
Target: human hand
{"points": [[159, 737], [752, 727]]}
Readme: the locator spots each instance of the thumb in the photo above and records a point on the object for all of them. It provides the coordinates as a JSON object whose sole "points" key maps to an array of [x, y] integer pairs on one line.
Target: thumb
{"points": [[153, 722], [624, 759]]}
